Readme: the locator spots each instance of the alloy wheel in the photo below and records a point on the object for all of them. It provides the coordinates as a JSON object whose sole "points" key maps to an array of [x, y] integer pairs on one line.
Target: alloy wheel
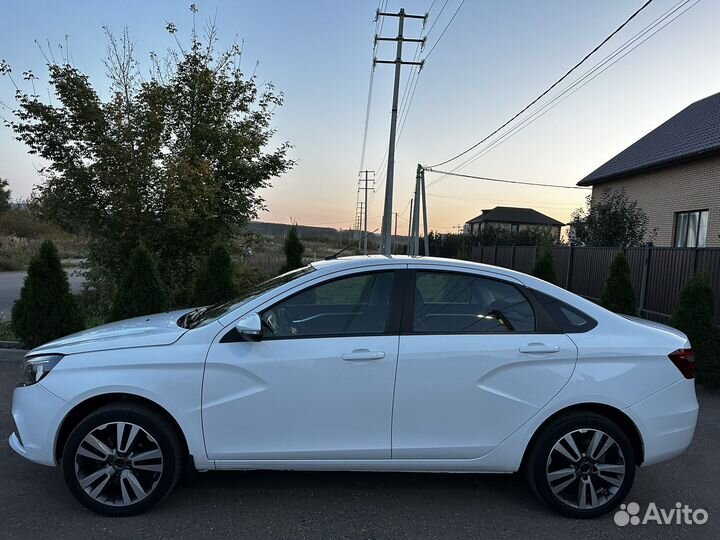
{"points": [[118, 464], [585, 468]]}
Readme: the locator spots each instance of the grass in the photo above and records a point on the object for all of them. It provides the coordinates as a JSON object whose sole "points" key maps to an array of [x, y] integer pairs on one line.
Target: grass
{"points": [[21, 234]]}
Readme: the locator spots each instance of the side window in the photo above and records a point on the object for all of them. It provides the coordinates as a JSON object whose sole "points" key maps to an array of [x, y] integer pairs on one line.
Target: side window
{"points": [[569, 319], [353, 305], [448, 302]]}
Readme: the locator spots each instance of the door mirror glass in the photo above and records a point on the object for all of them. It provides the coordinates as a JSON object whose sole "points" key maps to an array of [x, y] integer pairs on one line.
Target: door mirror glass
{"points": [[250, 327]]}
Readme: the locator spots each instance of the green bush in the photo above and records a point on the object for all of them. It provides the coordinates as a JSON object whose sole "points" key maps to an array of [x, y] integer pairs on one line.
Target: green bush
{"points": [[46, 309], [140, 292], [544, 267], [247, 276], [694, 316], [294, 250], [215, 281], [618, 295], [6, 331]]}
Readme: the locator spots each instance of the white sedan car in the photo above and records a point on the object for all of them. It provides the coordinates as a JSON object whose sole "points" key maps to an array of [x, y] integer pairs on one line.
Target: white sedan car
{"points": [[364, 364]]}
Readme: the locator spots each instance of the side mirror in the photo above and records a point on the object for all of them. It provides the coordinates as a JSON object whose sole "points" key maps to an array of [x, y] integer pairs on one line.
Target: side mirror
{"points": [[250, 327]]}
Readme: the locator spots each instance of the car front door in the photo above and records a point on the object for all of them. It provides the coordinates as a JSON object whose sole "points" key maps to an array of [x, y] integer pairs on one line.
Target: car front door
{"points": [[318, 385], [476, 361]]}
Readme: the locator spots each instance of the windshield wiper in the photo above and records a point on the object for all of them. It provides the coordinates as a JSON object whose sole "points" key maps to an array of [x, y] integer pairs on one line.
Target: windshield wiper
{"points": [[191, 318]]}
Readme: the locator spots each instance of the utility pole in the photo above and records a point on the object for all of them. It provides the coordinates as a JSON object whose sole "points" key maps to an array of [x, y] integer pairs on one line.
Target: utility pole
{"points": [[386, 233], [358, 219], [418, 201], [410, 224], [424, 206], [396, 224], [365, 181], [414, 250]]}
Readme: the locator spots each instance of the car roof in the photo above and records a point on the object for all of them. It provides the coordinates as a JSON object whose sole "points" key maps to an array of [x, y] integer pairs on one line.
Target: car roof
{"points": [[358, 261]]}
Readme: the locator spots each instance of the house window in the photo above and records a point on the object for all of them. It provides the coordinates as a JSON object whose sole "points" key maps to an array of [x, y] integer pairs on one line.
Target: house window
{"points": [[514, 227], [691, 228]]}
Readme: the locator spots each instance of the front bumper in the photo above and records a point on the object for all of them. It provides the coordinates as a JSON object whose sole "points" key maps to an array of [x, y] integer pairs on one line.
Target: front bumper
{"points": [[37, 414], [666, 421]]}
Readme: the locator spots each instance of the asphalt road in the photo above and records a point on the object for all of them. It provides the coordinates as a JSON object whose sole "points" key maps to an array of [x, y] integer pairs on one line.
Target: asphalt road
{"points": [[34, 503], [12, 282]]}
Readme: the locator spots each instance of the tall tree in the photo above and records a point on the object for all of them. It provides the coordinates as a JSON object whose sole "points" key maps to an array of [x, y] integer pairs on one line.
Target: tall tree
{"points": [[141, 291], [173, 159], [5, 194], [294, 250], [695, 316], [618, 295], [46, 309], [451, 246], [610, 220], [215, 281], [544, 264]]}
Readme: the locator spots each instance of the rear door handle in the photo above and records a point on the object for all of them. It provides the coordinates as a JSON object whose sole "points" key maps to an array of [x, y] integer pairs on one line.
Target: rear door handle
{"points": [[539, 348], [359, 355]]}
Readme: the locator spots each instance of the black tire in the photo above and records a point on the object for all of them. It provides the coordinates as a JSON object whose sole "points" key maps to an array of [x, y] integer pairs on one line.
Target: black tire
{"points": [[537, 465], [154, 424]]}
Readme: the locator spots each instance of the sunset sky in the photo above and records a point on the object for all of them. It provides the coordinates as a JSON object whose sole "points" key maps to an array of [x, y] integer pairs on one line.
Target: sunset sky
{"points": [[494, 58]]}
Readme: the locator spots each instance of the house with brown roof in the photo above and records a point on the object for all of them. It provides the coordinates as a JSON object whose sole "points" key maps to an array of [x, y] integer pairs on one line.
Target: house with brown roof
{"points": [[513, 219], [673, 173]]}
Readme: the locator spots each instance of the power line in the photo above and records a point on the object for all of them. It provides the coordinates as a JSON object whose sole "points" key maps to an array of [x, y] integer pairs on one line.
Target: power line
{"points": [[445, 30], [502, 201], [586, 78], [543, 94], [502, 180], [379, 21], [367, 117], [437, 17]]}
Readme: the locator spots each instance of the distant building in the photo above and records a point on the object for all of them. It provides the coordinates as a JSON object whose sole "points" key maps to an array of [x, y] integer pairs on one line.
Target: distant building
{"points": [[514, 220], [673, 173]]}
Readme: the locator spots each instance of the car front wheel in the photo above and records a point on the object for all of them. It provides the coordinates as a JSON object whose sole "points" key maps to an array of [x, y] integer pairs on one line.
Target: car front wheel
{"points": [[582, 465], [122, 459]]}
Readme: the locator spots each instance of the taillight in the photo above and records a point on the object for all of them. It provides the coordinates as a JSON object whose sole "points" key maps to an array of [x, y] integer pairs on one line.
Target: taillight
{"points": [[684, 360]]}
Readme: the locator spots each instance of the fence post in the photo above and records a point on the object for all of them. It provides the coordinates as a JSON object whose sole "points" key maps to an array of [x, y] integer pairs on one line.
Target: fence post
{"points": [[568, 275], [495, 255], [647, 252], [512, 258]]}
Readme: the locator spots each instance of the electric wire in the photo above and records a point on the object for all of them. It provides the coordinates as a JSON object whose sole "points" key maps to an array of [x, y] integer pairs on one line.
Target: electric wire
{"points": [[546, 91]]}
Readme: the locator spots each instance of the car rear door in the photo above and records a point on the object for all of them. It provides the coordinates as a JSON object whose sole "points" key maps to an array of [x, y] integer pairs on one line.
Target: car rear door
{"points": [[478, 357]]}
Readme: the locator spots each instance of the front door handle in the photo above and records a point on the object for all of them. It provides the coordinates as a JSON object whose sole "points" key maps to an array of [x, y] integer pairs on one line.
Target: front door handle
{"points": [[360, 355], [539, 348]]}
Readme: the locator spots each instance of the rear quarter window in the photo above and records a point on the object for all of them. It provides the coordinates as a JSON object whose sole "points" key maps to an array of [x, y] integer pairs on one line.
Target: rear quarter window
{"points": [[570, 319]]}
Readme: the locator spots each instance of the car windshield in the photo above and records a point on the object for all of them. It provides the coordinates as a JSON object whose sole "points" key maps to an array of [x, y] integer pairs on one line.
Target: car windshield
{"points": [[201, 316]]}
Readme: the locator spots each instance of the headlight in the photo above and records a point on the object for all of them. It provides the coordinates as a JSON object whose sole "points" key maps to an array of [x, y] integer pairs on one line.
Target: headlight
{"points": [[37, 367]]}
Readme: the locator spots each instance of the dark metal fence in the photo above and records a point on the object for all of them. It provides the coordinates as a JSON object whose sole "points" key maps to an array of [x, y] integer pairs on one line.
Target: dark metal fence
{"points": [[658, 273]]}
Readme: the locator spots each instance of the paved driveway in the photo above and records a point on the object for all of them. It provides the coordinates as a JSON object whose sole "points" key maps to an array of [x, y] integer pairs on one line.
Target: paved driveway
{"points": [[34, 503], [12, 282]]}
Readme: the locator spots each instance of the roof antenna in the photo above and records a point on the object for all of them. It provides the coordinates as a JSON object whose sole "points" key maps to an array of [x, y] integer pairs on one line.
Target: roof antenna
{"points": [[335, 255]]}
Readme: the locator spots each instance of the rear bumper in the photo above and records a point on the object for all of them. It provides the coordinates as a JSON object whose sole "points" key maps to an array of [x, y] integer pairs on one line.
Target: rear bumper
{"points": [[666, 421], [37, 414]]}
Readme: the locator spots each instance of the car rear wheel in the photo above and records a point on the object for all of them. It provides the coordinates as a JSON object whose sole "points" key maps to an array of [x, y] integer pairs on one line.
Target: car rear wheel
{"points": [[581, 465], [122, 459]]}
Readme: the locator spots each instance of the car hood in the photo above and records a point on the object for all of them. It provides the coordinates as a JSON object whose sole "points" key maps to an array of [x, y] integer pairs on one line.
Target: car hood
{"points": [[146, 331]]}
